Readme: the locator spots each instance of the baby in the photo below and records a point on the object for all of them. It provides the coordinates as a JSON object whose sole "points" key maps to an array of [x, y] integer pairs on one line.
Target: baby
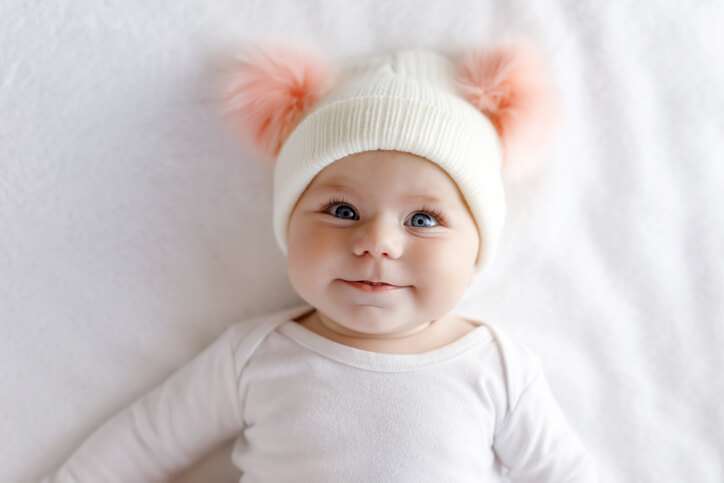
{"points": [[388, 200]]}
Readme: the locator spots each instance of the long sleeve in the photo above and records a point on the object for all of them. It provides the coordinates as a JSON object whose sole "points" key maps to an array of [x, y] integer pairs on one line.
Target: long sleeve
{"points": [[535, 442], [166, 430]]}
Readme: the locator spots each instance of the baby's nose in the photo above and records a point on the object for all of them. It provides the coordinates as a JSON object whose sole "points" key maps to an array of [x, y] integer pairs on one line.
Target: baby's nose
{"points": [[379, 237]]}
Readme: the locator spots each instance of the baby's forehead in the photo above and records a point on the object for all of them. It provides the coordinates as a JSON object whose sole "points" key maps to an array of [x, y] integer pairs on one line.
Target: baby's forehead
{"points": [[384, 183], [378, 167]]}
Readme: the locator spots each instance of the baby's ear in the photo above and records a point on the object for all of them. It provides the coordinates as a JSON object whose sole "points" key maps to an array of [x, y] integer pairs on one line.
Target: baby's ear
{"points": [[511, 86], [268, 89]]}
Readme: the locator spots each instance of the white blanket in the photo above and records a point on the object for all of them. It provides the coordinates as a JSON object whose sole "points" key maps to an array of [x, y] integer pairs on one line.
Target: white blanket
{"points": [[134, 228]]}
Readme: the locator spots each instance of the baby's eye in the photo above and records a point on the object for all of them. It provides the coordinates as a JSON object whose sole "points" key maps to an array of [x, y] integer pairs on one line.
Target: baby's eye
{"points": [[342, 211], [423, 220]]}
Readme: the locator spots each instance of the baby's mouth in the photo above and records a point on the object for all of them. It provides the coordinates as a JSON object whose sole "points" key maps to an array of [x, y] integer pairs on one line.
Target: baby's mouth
{"points": [[372, 287]]}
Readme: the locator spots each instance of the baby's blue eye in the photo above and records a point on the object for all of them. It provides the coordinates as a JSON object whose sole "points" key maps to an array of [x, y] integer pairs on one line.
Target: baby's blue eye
{"points": [[344, 211], [422, 220]]}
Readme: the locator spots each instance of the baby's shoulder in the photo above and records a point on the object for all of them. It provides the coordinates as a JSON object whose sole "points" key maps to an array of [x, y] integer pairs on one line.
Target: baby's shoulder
{"points": [[246, 334], [519, 363]]}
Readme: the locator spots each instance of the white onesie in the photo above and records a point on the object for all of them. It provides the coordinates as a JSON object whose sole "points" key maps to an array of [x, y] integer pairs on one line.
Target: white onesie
{"points": [[307, 409]]}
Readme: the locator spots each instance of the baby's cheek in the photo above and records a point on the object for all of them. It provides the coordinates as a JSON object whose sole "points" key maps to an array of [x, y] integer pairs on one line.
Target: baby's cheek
{"points": [[321, 242], [310, 245], [448, 265]]}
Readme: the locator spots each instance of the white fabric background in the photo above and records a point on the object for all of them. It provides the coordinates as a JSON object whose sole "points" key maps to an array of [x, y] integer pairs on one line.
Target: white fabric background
{"points": [[133, 228]]}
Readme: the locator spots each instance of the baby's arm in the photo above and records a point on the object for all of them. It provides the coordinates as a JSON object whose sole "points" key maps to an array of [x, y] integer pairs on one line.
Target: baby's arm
{"points": [[169, 428], [536, 443], [532, 439]]}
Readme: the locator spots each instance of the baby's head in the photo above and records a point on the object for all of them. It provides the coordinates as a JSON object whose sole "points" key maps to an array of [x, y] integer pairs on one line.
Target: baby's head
{"points": [[388, 171]]}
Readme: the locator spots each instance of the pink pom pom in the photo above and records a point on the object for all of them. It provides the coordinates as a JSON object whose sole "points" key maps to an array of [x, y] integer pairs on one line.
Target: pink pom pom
{"points": [[269, 89], [510, 86]]}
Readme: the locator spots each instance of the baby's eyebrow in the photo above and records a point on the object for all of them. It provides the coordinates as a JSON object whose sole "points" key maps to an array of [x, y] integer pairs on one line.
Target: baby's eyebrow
{"points": [[426, 198], [339, 186]]}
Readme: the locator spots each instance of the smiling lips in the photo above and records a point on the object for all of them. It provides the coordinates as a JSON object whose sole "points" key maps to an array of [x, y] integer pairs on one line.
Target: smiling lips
{"points": [[373, 287]]}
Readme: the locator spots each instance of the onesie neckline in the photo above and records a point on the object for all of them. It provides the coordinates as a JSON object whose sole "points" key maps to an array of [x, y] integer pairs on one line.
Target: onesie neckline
{"points": [[378, 361]]}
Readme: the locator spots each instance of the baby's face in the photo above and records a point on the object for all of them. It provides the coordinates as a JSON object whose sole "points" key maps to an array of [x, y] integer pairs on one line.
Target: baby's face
{"points": [[371, 216]]}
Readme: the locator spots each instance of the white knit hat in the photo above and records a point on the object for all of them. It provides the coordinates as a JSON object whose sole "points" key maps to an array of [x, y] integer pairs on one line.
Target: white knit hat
{"points": [[453, 113]]}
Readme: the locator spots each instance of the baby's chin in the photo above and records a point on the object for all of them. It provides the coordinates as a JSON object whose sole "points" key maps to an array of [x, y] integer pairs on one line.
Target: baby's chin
{"points": [[368, 321]]}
